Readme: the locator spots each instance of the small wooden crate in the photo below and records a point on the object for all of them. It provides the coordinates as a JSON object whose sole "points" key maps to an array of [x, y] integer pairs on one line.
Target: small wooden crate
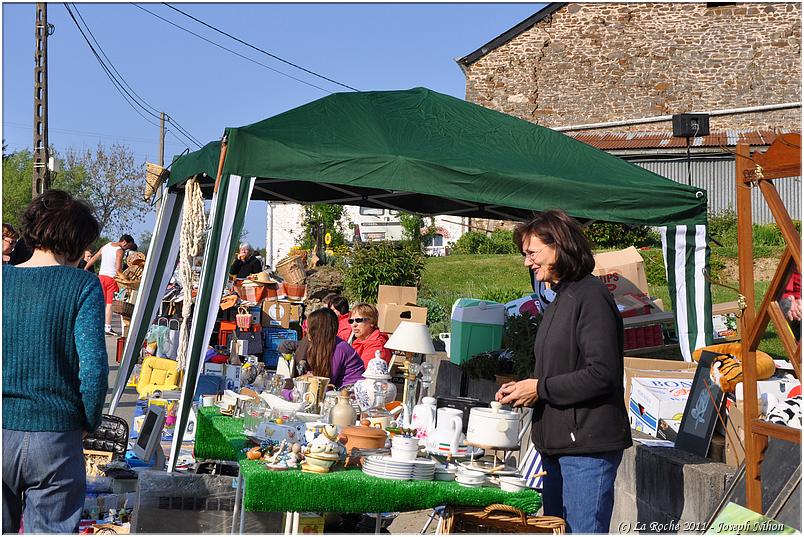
{"points": [[497, 518], [125, 309]]}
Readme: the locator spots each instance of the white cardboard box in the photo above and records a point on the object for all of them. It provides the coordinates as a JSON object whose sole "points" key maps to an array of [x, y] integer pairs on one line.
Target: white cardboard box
{"points": [[211, 368], [232, 380], [656, 398]]}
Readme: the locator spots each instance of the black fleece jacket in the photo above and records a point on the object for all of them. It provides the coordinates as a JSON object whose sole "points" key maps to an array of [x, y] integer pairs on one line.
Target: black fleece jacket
{"points": [[579, 364], [243, 269]]}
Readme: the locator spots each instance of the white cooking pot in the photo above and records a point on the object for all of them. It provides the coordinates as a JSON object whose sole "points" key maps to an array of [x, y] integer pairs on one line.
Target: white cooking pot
{"points": [[493, 427]]}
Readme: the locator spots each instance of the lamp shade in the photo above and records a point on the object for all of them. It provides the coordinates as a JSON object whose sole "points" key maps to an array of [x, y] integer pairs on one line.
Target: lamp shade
{"points": [[411, 337]]}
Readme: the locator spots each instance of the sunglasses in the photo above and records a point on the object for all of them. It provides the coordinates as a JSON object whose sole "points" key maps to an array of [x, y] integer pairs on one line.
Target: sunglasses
{"points": [[358, 320]]}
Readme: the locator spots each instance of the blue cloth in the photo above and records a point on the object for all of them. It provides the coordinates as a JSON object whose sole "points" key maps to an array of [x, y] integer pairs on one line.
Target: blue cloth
{"points": [[44, 481], [580, 489], [55, 365]]}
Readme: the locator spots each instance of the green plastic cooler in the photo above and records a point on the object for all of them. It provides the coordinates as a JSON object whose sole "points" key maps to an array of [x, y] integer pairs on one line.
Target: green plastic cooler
{"points": [[477, 326]]}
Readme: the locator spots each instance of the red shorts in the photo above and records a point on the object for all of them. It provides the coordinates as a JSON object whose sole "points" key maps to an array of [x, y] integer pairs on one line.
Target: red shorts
{"points": [[109, 288]]}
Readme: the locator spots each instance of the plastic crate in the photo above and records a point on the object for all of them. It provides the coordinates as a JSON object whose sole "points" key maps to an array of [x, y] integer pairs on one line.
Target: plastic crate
{"points": [[275, 336]]}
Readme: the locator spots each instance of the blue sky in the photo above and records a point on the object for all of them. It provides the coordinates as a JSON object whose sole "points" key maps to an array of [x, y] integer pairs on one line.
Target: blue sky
{"points": [[366, 46]]}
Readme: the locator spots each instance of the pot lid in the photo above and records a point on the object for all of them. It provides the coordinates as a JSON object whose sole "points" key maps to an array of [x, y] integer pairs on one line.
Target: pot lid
{"points": [[376, 377], [495, 412], [363, 431]]}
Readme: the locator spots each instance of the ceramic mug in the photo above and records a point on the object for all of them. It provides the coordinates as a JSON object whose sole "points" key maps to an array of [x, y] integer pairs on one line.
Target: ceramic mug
{"points": [[318, 387]]}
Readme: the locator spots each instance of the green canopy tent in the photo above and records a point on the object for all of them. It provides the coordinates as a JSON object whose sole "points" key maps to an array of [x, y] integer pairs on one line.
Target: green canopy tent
{"points": [[421, 151]]}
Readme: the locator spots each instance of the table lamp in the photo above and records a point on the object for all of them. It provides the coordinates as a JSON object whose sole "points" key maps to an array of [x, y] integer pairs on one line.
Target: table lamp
{"points": [[410, 338]]}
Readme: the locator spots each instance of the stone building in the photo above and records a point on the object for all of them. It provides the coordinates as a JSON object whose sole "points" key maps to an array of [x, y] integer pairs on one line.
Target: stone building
{"points": [[613, 74]]}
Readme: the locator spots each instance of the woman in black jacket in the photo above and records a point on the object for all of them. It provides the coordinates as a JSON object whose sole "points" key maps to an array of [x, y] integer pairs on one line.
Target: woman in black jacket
{"points": [[246, 263], [580, 424]]}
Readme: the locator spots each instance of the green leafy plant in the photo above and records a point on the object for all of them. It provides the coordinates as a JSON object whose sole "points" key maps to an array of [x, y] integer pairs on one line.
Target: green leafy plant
{"points": [[486, 365], [518, 337], [381, 263], [436, 312], [614, 235], [502, 295]]}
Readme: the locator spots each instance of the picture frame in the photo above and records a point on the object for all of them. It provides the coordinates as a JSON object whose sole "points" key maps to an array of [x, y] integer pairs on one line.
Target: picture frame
{"points": [[701, 411], [93, 459]]}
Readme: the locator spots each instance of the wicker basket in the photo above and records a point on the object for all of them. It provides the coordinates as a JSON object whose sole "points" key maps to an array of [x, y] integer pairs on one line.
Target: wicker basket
{"points": [[126, 309], [497, 518], [291, 269]]}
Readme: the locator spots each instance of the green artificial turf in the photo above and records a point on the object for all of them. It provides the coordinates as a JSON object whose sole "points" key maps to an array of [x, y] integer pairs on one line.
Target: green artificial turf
{"points": [[343, 491]]}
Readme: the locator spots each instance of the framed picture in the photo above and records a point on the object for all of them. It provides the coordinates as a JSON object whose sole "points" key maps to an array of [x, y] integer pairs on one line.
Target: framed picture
{"points": [[701, 411], [94, 459]]}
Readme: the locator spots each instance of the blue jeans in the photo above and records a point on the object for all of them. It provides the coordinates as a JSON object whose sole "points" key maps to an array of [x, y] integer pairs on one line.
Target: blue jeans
{"points": [[580, 489], [44, 481]]}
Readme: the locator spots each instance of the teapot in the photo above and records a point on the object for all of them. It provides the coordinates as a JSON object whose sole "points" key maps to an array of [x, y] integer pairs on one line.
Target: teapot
{"points": [[423, 419]]}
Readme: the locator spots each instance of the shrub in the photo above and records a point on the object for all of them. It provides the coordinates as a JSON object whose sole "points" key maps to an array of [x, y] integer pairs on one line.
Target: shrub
{"points": [[484, 365], [613, 235], [331, 216], [723, 227], [436, 312], [654, 266], [500, 241], [381, 263], [502, 295]]}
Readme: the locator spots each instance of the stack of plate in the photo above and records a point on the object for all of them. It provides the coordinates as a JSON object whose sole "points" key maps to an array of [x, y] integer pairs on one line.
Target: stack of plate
{"points": [[388, 468]]}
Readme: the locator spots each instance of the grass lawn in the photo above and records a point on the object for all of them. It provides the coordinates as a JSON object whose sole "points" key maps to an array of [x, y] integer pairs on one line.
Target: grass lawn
{"points": [[503, 277]]}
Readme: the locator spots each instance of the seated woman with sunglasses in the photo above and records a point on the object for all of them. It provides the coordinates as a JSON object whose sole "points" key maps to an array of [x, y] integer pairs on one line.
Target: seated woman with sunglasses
{"points": [[328, 355], [367, 337]]}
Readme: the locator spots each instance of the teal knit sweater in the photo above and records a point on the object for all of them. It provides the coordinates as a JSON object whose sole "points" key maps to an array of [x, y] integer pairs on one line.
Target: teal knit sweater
{"points": [[55, 368]]}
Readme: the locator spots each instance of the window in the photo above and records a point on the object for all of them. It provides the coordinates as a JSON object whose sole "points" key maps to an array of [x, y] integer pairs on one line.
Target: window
{"points": [[393, 213], [370, 211], [435, 240]]}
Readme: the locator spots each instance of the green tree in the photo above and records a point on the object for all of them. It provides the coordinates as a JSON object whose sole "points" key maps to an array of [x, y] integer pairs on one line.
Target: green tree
{"points": [[17, 174], [329, 215], [113, 183]]}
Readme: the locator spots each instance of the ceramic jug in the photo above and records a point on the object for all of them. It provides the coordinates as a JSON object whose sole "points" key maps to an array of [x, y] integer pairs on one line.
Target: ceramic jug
{"points": [[423, 419], [343, 414], [447, 436]]}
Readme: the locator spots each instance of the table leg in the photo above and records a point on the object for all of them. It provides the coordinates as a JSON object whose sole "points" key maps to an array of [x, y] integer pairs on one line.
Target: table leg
{"points": [[429, 521], [288, 522], [243, 513], [238, 498], [378, 523], [295, 523]]}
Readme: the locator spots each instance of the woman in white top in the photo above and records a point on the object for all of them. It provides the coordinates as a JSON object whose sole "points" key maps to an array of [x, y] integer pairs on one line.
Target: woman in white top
{"points": [[111, 256]]}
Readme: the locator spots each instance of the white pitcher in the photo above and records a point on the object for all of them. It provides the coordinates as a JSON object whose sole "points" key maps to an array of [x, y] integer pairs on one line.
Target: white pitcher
{"points": [[447, 436], [424, 419]]}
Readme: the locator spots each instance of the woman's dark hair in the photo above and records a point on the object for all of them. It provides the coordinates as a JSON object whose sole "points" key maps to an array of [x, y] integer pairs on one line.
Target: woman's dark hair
{"points": [[57, 222], [328, 298], [322, 329], [340, 304], [558, 229], [10, 232]]}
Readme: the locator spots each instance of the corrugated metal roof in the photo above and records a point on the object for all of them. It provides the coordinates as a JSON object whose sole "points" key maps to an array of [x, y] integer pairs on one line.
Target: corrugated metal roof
{"points": [[664, 140]]}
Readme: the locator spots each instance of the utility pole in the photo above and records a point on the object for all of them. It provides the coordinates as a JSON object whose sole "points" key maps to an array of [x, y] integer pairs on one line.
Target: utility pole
{"points": [[41, 172], [162, 139]]}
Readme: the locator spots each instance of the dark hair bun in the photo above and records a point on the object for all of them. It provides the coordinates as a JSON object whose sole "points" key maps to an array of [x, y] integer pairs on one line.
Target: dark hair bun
{"points": [[59, 223]]}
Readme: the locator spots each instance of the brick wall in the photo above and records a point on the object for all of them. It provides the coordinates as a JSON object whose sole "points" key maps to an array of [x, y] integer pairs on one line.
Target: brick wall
{"points": [[591, 63]]}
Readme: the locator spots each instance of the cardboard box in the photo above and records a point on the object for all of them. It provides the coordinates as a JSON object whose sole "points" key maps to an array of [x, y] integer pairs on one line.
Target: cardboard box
{"points": [[396, 304], [391, 315], [211, 368], [655, 368], [653, 399], [633, 305], [281, 313], [735, 438], [770, 391], [622, 271], [394, 294]]}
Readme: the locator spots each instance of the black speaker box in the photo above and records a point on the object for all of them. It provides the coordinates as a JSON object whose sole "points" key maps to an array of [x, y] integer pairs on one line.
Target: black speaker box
{"points": [[690, 125]]}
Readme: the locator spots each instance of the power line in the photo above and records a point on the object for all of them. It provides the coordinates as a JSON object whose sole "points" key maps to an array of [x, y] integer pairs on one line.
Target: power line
{"points": [[119, 86], [252, 60], [156, 111], [274, 56], [85, 134]]}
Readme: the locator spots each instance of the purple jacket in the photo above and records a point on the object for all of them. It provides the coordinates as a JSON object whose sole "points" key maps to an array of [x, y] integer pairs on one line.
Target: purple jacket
{"points": [[347, 366]]}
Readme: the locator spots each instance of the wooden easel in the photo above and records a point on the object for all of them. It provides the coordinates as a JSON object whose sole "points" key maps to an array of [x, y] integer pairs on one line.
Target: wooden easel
{"points": [[781, 160]]}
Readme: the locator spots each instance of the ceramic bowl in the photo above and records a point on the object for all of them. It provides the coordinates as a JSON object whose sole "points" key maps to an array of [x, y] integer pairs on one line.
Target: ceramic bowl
{"points": [[405, 442], [321, 460], [403, 454], [470, 476], [513, 484]]}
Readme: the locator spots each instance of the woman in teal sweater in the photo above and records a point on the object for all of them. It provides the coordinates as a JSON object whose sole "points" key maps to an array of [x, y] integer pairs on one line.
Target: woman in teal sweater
{"points": [[55, 369]]}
